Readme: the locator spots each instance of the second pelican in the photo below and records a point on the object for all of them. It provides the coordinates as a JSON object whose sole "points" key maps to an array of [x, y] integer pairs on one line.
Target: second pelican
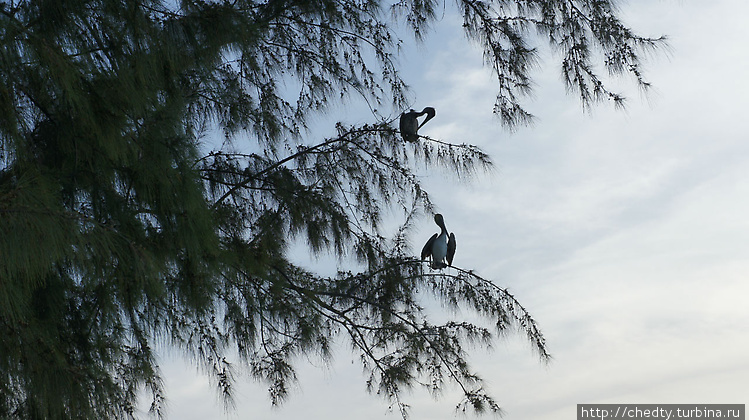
{"points": [[440, 247]]}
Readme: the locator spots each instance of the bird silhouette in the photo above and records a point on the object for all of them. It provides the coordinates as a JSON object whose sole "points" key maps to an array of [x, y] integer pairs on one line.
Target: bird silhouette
{"points": [[439, 247], [409, 123]]}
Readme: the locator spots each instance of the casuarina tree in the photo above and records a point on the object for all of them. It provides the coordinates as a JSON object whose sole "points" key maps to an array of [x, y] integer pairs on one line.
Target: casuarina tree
{"points": [[156, 166]]}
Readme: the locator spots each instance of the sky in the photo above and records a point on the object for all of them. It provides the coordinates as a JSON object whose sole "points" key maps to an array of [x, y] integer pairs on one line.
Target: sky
{"points": [[624, 233]]}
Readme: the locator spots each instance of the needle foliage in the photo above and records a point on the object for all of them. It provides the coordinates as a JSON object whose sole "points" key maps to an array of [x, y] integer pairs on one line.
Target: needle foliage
{"points": [[123, 227]]}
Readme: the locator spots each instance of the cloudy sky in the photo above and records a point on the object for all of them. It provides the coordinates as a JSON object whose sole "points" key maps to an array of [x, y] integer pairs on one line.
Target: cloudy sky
{"points": [[624, 233]]}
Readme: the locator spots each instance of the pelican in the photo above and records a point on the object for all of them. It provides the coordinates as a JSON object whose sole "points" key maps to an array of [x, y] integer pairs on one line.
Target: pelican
{"points": [[409, 123], [439, 247]]}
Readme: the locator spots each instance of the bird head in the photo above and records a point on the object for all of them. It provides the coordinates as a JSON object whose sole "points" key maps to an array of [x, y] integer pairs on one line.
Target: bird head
{"points": [[430, 112], [439, 220]]}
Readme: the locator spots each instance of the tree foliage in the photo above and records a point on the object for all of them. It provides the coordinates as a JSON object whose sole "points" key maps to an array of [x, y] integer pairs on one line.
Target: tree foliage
{"points": [[122, 229]]}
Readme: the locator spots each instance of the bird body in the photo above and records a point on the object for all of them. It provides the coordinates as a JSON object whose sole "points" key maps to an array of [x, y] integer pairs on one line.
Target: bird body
{"points": [[409, 126], [409, 123], [440, 247]]}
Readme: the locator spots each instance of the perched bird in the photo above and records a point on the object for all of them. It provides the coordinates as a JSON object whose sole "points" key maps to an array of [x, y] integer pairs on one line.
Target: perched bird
{"points": [[439, 247], [409, 123]]}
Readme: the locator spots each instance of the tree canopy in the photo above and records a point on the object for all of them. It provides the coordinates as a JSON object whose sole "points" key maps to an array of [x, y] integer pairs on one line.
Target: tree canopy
{"points": [[122, 226]]}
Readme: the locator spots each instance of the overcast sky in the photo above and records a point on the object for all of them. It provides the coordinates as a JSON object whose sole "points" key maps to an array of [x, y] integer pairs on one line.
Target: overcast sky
{"points": [[624, 233]]}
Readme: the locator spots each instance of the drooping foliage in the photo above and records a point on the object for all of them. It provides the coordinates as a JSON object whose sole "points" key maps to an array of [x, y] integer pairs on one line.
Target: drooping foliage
{"points": [[122, 228]]}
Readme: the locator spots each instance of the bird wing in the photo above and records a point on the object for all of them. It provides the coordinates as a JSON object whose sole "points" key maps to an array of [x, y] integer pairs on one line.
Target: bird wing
{"points": [[402, 125], [427, 250], [450, 249], [409, 126]]}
